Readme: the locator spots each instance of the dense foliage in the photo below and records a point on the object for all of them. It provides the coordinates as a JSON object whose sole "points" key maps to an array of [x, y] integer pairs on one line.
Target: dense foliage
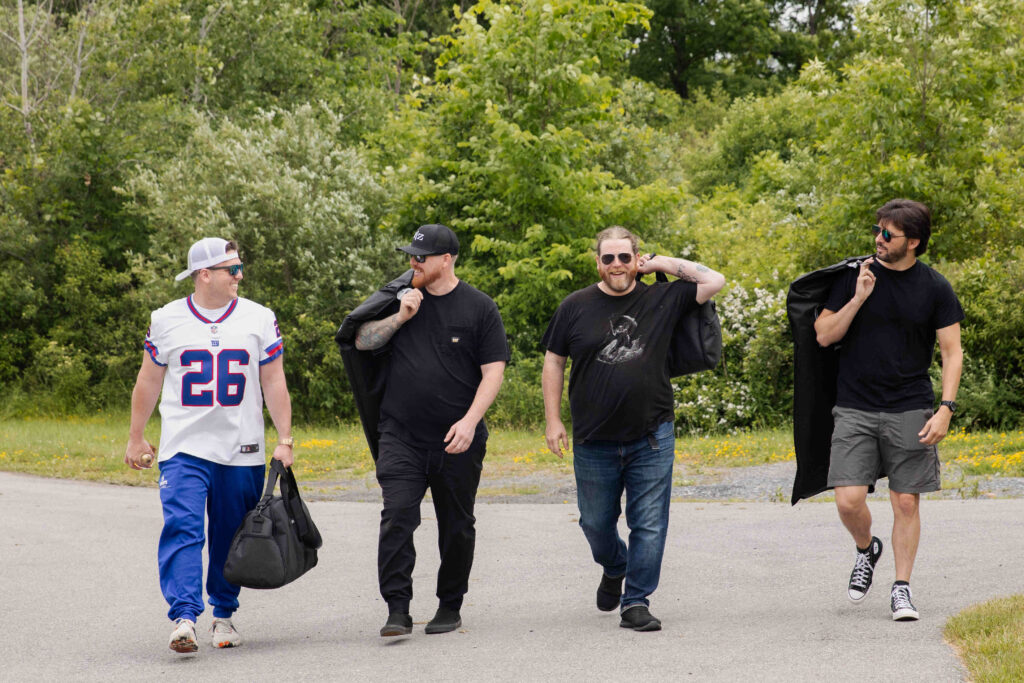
{"points": [[757, 136]]}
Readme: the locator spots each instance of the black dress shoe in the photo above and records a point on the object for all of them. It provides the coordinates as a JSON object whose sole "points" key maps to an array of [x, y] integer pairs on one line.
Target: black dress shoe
{"points": [[639, 618], [608, 592], [398, 624], [444, 620]]}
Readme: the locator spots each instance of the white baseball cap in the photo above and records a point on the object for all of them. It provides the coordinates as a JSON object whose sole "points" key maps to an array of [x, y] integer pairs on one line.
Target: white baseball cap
{"points": [[207, 252]]}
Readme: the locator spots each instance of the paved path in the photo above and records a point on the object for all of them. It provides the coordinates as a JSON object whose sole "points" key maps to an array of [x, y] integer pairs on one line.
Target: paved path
{"points": [[748, 590]]}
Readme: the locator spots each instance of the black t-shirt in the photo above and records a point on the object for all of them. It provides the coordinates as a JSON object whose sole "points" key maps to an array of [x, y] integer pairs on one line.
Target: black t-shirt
{"points": [[619, 387], [435, 363], [885, 355]]}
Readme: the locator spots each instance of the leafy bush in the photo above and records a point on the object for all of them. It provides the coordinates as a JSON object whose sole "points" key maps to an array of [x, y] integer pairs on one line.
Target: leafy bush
{"points": [[753, 386]]}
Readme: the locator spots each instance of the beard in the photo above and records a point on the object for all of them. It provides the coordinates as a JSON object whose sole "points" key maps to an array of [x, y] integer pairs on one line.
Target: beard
{"points": [[421, 279], [892, 254], [620, 283]]}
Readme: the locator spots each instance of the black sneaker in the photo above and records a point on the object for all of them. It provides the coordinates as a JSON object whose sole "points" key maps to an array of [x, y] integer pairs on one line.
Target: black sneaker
{"points": [[444, 620], [608, 592], [398, 624], [639, 618], [864, 570], [902, 608]]}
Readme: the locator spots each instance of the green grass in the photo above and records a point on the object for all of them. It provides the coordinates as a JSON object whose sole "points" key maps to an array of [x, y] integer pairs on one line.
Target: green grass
{"points": [[92, 448], [990, 639]]}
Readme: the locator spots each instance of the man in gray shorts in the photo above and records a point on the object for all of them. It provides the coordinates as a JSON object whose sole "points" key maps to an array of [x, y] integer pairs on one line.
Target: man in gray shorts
{"points": [[888, 314]]}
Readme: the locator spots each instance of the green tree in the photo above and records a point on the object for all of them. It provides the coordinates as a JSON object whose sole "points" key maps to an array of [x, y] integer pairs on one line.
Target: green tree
{"points": [[693, 44]]}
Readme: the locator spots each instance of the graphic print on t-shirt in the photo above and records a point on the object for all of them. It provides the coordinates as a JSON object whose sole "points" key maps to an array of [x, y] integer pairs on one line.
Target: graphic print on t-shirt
{"points": [[620, 345]]}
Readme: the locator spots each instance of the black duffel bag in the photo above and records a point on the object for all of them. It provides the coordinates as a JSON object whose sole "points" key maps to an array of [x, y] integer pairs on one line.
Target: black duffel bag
{"points": [[277, 540]]}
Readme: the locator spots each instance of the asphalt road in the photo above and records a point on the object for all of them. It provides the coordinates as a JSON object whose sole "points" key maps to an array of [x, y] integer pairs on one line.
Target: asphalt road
{"points": [[748, 591]]}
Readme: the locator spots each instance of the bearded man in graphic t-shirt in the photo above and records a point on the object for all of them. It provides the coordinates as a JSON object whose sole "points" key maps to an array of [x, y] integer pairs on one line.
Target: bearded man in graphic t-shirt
{"points": [[888, 314], [618, 333]]}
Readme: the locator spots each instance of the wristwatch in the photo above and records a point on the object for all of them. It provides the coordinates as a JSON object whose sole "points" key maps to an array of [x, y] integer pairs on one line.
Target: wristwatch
{"points": [[286, 441], [949, 404]]}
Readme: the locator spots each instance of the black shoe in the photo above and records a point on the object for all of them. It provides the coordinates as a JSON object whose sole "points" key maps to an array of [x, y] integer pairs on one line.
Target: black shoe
{"points": [[639, 618], [902, 608], [864, 570], [398, 624], [444, 620], [609, 592]]}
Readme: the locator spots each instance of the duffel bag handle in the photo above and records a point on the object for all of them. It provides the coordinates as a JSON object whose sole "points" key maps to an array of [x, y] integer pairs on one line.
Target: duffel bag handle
{"points": [[308, 533]]}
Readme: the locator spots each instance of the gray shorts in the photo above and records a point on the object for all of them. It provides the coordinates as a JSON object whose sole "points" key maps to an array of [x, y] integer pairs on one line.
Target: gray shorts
{"points": [[865, 444]]}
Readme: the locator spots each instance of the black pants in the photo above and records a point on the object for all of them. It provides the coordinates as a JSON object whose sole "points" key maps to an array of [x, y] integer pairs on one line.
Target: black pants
{"points": [[404, 472]]}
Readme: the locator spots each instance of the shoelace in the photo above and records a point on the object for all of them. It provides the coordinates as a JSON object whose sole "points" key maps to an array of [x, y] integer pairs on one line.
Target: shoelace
{"points": [[901, 598], [861, 571]]}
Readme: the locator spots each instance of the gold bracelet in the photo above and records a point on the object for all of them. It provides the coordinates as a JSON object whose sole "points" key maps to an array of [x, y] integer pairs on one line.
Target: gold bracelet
{"points": [[286, 441]]}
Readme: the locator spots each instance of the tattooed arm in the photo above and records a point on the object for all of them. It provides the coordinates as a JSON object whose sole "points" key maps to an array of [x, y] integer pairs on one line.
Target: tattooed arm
{"points": [[376, 333], [708, 281]]}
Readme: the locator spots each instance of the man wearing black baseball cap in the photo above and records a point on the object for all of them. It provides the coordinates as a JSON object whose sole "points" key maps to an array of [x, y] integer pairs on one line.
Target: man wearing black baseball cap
{"points": [[432, 239], [447, 356]]}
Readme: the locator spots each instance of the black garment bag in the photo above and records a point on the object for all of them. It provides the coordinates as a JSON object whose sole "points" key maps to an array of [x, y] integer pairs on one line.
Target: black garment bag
{"points": [[815, 372], [367, 370]]}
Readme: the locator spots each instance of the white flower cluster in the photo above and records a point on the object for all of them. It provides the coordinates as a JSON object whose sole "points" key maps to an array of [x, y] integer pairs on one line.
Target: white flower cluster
{"points": [[743, 390]]}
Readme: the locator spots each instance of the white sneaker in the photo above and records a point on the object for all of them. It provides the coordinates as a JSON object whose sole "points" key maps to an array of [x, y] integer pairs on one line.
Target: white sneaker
{"points": [[223, 634], [183, 638]]}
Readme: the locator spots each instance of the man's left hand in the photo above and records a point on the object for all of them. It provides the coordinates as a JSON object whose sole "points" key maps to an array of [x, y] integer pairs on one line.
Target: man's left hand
{"points": [[935, 429], [460, 436], [284, 454]]}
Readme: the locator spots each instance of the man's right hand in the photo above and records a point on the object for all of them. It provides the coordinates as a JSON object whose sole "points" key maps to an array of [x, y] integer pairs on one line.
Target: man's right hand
{"points": [[133, 454], [410, 305], [865, 280], [557, 438]]}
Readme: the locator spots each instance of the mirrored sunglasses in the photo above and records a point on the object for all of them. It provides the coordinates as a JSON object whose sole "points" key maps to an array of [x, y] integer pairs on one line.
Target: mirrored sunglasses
{"points": [[886, 235], [233, 270]]}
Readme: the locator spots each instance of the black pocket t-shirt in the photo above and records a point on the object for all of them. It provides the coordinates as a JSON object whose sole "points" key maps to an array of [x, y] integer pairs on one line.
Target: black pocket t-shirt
{"points": [[887, 350], [434, 369], [619, 385]]}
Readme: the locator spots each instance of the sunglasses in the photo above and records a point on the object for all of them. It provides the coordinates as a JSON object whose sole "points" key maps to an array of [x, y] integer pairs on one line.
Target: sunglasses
{"points": [[886, 235], [420, 258], [624, 258], [232, 270]]}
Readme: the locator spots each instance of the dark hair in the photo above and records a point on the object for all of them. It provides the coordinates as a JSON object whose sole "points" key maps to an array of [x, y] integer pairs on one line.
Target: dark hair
{"points": [[615, 232], [913, 218]]}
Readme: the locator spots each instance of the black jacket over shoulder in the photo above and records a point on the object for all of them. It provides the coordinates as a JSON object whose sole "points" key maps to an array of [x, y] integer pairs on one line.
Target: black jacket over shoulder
{"points": [[815, 370], [367, 370]]}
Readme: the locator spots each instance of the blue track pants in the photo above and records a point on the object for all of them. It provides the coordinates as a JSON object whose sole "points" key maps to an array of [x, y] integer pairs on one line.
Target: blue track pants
{"points": [[192, 489]]}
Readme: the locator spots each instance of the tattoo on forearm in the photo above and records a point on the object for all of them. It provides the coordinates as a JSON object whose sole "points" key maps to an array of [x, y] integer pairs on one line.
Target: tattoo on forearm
{"points": [[377, 333], [683, 275], [702, 268]]}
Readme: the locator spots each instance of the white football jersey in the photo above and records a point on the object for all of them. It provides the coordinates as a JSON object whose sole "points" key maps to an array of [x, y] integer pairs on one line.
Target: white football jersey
{"points": [[212, 404]]}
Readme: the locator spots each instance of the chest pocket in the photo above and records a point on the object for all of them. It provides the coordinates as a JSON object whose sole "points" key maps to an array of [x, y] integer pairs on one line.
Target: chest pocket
{"points": [[456, 342]]}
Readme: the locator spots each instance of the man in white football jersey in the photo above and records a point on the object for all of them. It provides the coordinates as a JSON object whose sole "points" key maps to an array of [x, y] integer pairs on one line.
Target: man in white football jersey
{"points": [[208, 356]]}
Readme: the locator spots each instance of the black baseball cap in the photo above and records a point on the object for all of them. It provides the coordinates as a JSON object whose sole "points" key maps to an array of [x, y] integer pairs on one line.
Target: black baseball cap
{"points": [[432, 239]]}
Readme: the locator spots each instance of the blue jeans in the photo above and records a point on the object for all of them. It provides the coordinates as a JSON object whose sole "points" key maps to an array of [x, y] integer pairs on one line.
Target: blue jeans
{"points": [[643, 468]]}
